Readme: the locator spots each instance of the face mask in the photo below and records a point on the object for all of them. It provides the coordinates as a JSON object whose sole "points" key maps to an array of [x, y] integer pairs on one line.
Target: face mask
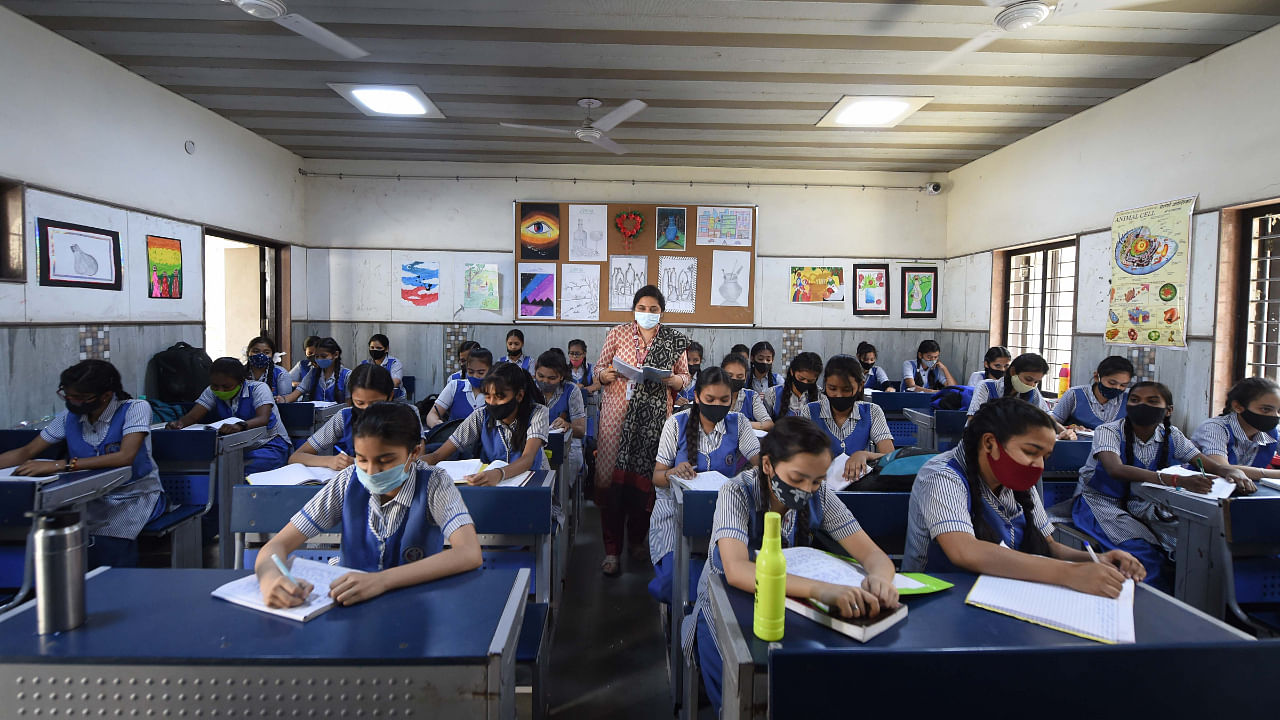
{"points": [[502, 411], [792, 498], [576, 362], [260, 360], [377, 354], [307, 362], [547, 388], [737, 385], [695, 369], [475, 382], [842, 404], [928, 364], [762, 368], [1145, 415], [995, 374], [1110, 393], [1013, 474], [86, 408], [714, 413], [515, 353], [866, 365], [227, 395], [1262, 423], [324, 363], [384, 482], [1019, 386], [648, 321], [803, 387]]}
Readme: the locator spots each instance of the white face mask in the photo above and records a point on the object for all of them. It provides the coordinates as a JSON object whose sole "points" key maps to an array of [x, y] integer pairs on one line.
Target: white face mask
{"points": [[648, 321]]}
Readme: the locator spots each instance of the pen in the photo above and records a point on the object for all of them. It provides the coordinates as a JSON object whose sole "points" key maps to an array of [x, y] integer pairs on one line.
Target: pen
{"points": [[284, 570], [1092, 554], [1200, 464]]}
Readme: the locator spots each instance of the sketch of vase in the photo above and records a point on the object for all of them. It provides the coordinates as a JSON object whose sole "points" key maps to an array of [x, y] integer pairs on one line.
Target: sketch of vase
{"points": [[580, 239], [731, 289], [85, 263]]}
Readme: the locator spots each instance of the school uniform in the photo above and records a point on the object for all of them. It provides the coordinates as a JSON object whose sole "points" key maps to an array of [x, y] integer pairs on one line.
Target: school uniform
{"points": [[727, 449], [1223, 435], [300, 370], [795, 404], [1080, 406], [335, 434], [117, 518], [750, 403], [494, 437], [1106, 508], [269, 452], [877, 378], [992, 389], [762, 384], [687, 393], [586, 375], [333, 388], [933, 378], [276, 378], [567, 404], [940, 503], [396, 368], [978, 377], [524, 361], [414, 524], [738, 515], [862, 430], [459, 398]]}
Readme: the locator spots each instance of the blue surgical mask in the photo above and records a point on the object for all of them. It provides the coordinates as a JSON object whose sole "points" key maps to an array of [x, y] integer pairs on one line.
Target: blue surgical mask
{"points": [[384, 482], [475, 382], [324, 363], [648, 321]]}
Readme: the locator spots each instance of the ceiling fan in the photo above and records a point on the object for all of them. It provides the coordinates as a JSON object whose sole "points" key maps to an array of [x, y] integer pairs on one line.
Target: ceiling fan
{"points": [[592, 131], [277, 12], [1024, 14]]}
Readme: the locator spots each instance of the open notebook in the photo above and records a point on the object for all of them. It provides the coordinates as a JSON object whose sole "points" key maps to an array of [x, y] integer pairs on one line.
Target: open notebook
{"points": [[246, 592], [811, 563], [294, 474], [458, 470], [640, 374], [711, 481], [1221, 490], [1107, 620]]}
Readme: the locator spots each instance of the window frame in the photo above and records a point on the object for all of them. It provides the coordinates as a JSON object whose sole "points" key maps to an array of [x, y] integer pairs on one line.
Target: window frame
{"points": [[1241, 352], [1008, 266]]}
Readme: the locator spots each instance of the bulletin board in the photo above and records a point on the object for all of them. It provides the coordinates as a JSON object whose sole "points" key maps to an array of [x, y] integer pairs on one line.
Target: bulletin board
{"points": [[576, 264]]}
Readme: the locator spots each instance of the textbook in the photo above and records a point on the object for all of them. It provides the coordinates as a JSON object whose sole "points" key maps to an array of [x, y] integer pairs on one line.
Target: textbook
{"points": [[861, 629], [711, 481], [246, 592], [459, 469], [1093, 617], [640, 374], [814, 564], [1221, 490], [294, 474]]}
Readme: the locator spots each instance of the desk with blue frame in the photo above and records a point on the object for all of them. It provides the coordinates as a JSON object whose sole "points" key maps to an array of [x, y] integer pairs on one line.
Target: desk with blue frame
{"points": [[156, 643], [953, 652], [303, 419]]}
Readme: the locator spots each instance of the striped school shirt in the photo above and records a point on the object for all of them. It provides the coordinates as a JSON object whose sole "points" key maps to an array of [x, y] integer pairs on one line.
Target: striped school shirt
{"points": [[323, 512], [1216, 434]]}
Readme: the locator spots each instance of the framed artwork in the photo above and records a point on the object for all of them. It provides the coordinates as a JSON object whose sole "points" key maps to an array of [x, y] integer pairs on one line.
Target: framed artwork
{"points": [[77, 256], [164, 268], [920, 292], [871, 289]]}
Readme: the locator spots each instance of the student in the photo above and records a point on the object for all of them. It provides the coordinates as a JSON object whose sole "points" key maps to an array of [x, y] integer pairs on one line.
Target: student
{"points": [[762, 375], [395, 542], [103, 427], [994, 365], [926, 373], [793, 464], [261, 355], [565, 407], [970, 506], [379, 346], [464, 352], [1102, 401], [303, 366], [745, 400], [741, 349], [328, 380], [1022, 381], [515, 351], [693, 355], [581, 372], [231, 394], [369, 384], [857, 429], [1135, 450], [799, 389], [877, 378], [708, 437], [1244, 435], [461, 397], [511, 426]]}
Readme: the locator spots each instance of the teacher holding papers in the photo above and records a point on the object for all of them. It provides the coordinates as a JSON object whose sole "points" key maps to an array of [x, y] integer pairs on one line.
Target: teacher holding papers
{"points": [[632, 412]]}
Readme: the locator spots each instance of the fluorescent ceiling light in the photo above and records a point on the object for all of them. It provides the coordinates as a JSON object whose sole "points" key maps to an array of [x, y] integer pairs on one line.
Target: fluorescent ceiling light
{"points": [[388, 100], [879, 111]]}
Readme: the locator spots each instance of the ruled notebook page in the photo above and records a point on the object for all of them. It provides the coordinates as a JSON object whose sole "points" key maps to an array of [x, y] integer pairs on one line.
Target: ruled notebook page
{"points": [[1108, 620]]}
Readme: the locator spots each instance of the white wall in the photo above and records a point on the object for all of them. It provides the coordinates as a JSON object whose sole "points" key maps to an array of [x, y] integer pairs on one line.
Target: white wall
{"points": [[78, 123], [1207, 128]]}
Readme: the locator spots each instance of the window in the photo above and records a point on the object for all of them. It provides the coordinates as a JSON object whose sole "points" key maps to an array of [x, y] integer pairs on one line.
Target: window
{"points": [[1262, 337], [1040, 297]]}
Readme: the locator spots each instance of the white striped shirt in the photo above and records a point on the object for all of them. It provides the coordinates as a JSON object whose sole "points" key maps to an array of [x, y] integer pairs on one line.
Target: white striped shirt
{"points": [[1215, 434], [323, 440], [323, 511], [981, 396], [758, 410], [283, 385], [577, 408], [444, 401], [392, 365], [261, 395], [796, 403], [470, 430], [762, 384], [1106, 411], [879, 426]]}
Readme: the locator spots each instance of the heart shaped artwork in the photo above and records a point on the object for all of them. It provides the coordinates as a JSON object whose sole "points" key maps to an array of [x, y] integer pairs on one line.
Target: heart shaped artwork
{"points": [[629, 224]]}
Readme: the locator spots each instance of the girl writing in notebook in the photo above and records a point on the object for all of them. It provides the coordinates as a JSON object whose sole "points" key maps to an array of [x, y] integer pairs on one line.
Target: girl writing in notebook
{"points": [[799, 389], [1135, 450], [857, 429], [511, 426], [1101, 401], [793, 464], [231, 394], [461, 397], [745, 400], [1244, 435], [975, 508], [708, 437], [331, 446], [261, 355], [327, 379], [396, 541]]}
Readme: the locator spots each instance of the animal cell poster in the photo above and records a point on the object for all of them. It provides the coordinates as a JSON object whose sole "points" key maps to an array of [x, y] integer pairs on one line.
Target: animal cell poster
{"points": [[537, 290], [78, 256], [164, 268], [419, 283], [817, 284], [480, 286], [539, 231], [1150, 265], [678, 280]]}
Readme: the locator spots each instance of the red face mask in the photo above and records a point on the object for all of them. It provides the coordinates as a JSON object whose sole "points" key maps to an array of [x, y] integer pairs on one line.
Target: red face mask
{"points": [[1013, 474], [576, 362]]}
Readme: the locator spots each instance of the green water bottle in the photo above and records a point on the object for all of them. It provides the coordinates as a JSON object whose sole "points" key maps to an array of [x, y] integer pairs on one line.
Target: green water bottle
{"points": [[771, 582]]}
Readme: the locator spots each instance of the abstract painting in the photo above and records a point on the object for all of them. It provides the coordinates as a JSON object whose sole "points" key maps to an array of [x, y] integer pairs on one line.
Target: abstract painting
{"points": [[730, 275], [670, 229], [78, 256], [919, 292], [587, 227], [480, 286], [678, 280], [537, 290], [420, 283], [724, 226], [164, 268], [870, 289], [627, 274], [539, 230], [817, 284], [579, 292]]}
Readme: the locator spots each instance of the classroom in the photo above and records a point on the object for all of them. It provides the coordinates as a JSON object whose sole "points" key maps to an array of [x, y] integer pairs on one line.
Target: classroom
{"points": [[600, 359]]}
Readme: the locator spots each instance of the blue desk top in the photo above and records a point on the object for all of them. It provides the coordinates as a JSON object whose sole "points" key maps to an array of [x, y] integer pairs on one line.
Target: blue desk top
{"points": [[942, 621], [153, 615]]}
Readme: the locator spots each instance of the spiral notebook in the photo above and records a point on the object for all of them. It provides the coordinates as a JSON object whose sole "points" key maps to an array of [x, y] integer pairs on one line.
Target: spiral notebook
{"points": [[245, 591], [1093, 617]]}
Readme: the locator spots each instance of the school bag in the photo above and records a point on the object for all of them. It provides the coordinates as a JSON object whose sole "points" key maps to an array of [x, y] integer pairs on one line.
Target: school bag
{"points": [[956, 397], [895, 472], [181, 373]]}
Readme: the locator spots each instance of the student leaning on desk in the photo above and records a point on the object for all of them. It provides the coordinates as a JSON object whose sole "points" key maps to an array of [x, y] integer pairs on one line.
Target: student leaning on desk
{"points": [[395, 513]]}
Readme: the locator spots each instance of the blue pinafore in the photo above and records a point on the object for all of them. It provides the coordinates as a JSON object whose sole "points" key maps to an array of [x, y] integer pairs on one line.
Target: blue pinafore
{"points": [[1012, 532], [749, 404], [337, 389], [1149, 554], [268, 456], [1082, 414], [933, 377], [494, 447], [417, 537], [1261, 459], [995, 389], [461, 408], [856, 441], [142, 465]]}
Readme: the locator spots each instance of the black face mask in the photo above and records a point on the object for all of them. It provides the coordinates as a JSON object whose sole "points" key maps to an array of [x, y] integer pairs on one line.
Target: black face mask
{"points": [[86, 408], [803, 387], [515, 353], [714, 413], [842, 404], [695, 369], [1110, 393], [377, 354], [792, 498], [737, 385], [502, 411], [1262, 423], [995, 374], [866, 365], [1145, 415], [762, 368]]}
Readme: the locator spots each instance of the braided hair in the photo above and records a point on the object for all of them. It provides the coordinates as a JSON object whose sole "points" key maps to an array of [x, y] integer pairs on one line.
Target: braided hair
{"points": [[1026, 362], [332, 347], [1128, 423], [511, 378], [793, 435], [808, 361], [759, 347], [93, 377], [1003, 418], [708, 377]]}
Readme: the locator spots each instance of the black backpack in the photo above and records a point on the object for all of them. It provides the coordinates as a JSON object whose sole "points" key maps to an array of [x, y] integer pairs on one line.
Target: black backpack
{"points": [[181, 373]]}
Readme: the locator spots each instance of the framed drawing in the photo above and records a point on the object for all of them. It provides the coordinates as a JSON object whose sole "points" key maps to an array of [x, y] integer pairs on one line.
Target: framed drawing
{"points": [[920, 292], [77, 256], [871, 289]]}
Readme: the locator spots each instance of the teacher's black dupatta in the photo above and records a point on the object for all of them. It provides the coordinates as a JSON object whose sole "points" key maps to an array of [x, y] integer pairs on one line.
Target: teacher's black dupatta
{"points": [[646, 414]]}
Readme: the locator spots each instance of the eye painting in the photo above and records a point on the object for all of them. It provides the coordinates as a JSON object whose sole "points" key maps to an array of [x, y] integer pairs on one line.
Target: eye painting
{"points": [[539, 231]]}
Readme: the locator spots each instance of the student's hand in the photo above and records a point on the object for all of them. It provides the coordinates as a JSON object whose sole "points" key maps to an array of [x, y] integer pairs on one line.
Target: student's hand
{"points": [[884, 591], [681, 402], [232, 428], [39, 468], [848, 601], [1067, 434], [1242, 481], [357, 587], [173, 425], [485, 478], [857, 465], [1196, 483], [1094, 578], [279, 399], [341, 461], [1127, 564], [561, 424], [278, 592], [684, 471]]}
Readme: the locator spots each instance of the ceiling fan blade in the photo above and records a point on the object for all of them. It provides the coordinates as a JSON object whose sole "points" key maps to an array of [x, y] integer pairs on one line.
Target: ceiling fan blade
{"points": [[317, 34], [616, 116], [968, 48], [609, 145], [1072, 7], [537, 128]]}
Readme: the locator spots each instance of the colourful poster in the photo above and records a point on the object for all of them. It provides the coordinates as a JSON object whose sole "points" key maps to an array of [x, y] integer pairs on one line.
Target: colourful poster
{"points": [[537, 290], [870, 289], [920, 292], [817, 284], [164, 268], [724, 226], [480, 286], [539, 231], [1150, 266], [420, 283], [669, 230]]}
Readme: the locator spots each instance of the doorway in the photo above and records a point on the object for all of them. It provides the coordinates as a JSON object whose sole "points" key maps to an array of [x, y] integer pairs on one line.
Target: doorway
{"points": [[241, 298]]}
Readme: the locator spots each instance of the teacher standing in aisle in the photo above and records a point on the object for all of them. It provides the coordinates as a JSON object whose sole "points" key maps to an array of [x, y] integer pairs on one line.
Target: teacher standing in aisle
{"points": [[631, 418]]}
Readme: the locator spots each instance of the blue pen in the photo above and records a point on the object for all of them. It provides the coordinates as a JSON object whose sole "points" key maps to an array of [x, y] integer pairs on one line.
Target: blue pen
{"points": [[284, 570], [1092, 554]]}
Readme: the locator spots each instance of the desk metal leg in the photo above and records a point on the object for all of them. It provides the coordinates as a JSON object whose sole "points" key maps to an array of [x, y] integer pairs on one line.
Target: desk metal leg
{"points": [[543, 565], [679, 591], [1198, 580], [230, 472], [738, 692], [502, 652]]}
